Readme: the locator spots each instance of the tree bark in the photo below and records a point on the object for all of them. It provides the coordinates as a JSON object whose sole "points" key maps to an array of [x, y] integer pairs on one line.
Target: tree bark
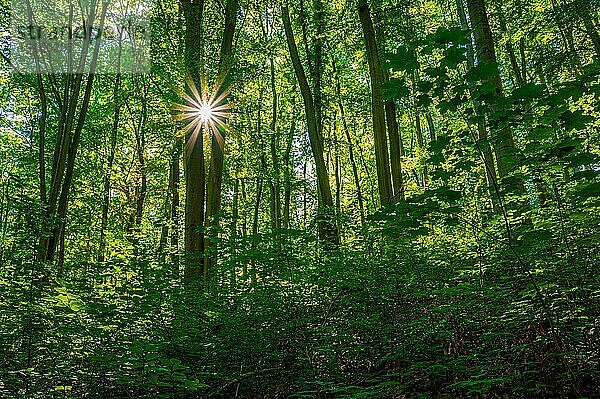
{"points": [[68, 136], [193, 11], [288, 170], [590, 26], [111, 159], [328, 230], [421, 145], [486, 153], [359, 195], [275, 186], [396, 146], [377, 106], [174, 189], [510, 50], [504, 148], [215, 174]]}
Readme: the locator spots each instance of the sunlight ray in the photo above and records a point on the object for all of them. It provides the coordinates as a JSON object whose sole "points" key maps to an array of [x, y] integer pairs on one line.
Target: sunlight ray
{"points": [[203, 108]]}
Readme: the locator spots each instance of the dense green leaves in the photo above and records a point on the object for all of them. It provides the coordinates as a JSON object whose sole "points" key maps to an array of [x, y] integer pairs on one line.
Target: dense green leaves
{"points": [[472, 283]]}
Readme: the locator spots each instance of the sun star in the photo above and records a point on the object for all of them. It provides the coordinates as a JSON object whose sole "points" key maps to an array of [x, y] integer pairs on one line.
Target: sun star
{"points": [[204, 109], [205, 112]]}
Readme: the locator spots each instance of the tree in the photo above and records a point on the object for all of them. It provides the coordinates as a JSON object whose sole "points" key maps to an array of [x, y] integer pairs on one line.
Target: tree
{"points": [[215, 173], [68, 136], [377, 107], [504, 146], [193, 11], [328, 229]]}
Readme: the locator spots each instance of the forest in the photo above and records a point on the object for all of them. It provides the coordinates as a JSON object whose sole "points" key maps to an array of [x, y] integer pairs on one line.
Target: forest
{"points": [[310, 199]]}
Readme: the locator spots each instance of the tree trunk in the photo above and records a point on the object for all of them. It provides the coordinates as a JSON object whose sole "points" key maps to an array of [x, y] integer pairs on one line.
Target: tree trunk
{"points": [[567, 37], [194, 153], [421, 146], [259, 189], [318, 64], [215, 174], [67, 141], [194, 206], [111, 159], [396, 145], [430, 126], [377, 106], [510, 50], [396, 148], [359, 196], [504, 148], [140, 139], [276, 187], [328, 230], [590, 26], [486, 153], [288, 170], [174, 189]]}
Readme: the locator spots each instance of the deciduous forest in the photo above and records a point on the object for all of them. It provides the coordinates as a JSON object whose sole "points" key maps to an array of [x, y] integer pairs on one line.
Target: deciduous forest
{"points": [[306, 199]]}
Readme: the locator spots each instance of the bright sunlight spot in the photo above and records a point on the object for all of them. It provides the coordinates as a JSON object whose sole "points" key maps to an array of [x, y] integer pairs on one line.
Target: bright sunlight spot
{"points": [[205, 112]]}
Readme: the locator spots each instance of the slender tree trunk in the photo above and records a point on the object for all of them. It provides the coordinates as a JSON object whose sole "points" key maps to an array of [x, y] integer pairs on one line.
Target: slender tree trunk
{"points": [[234, 229], [567, 37], [111, 159], [67, 141], [42, 143], [193, 11], [377, 106], [361, 156], [318, 64], [504, 148], [235, 208], [4, 211], [244, 201], [215, 174], [288, 170], [430, 126], [590, 26], [164, 230], [263, 164], [510, 50], [487, 157], [419, 132], [359, 196], [259, 189], [141, 159], [305, 197], [328, 230], [276, 186], [523, 60], [336, 168], [421, 145], [524, 76], [174, 189], [396, 147]]}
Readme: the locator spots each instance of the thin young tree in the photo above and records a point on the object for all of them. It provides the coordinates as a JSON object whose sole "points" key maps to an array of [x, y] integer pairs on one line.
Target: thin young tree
{"points": [[382, 161], [327, 228]]}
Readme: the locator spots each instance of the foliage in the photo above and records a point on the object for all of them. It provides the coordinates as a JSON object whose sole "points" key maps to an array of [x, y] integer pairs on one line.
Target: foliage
{"points": [[468, 287]]}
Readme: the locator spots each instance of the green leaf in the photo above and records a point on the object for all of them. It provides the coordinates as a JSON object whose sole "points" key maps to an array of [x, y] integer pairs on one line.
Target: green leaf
{"points": [[450, 35], [575, 120], [586, 191], [404, 59], [394, 89], [528, 92], [483, 71]]}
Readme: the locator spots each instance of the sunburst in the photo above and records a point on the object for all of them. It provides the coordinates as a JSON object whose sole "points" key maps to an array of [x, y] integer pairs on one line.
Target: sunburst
{"points": [[204, 109]]}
